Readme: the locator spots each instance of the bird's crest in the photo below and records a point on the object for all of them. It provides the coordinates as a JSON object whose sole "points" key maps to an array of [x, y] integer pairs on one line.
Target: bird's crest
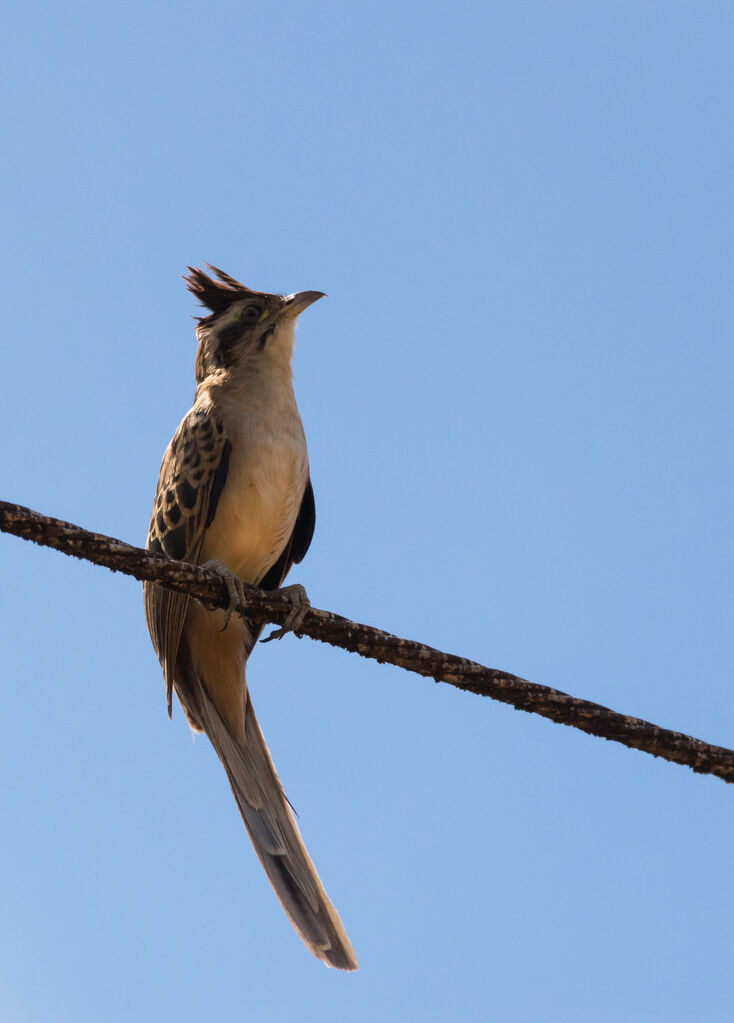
{"points": [[215, 295]]}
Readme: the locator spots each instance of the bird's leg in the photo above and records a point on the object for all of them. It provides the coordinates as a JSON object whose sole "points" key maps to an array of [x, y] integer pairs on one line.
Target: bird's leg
{"points": [[235, 589], [297, 595]]}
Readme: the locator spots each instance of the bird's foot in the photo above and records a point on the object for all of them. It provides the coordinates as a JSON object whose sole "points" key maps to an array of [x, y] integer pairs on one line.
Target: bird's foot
{"points": [[297, 595], [235, 589]]}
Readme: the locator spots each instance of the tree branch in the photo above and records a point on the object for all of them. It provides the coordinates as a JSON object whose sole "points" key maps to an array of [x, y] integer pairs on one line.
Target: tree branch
{"points": [[368, 642]]}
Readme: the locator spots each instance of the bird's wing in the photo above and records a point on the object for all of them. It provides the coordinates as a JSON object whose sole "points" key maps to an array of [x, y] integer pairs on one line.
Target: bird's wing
{"points": [[300, 540], [293, 553], [191, 480]]}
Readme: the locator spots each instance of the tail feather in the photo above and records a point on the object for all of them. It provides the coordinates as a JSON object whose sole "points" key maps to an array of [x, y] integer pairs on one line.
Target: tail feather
{"points": [[274, 833]]}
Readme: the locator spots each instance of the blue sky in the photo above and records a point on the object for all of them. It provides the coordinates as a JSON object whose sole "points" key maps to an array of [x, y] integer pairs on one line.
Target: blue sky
{"points": [[518, 404]]}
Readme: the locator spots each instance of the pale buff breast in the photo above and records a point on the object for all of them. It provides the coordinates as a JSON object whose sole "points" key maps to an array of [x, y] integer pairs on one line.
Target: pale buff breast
{"points": [[260, 501]]}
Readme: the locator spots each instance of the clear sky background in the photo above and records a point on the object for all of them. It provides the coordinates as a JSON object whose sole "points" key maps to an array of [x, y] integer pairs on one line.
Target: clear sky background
{"points": [[518, 404]]}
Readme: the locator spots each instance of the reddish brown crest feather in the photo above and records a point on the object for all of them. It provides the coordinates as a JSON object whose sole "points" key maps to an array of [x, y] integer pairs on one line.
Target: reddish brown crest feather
{"points": [[215, 295]]}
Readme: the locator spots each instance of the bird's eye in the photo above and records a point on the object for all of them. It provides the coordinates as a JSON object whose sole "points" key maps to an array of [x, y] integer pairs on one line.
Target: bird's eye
{"points": [[250, 313]]}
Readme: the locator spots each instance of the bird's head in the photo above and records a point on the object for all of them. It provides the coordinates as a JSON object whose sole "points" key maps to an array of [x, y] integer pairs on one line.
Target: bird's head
{"points": [[243, 326]]}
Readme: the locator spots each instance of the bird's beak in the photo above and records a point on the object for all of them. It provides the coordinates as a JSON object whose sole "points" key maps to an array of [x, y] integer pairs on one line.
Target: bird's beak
{"points": [[295, 304]]}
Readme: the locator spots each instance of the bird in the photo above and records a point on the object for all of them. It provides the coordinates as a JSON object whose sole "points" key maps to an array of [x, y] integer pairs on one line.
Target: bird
{"points": [[234, 494]]}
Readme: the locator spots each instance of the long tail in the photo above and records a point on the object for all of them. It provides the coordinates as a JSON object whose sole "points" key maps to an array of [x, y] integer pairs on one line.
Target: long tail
{"points": [[274, 833]]}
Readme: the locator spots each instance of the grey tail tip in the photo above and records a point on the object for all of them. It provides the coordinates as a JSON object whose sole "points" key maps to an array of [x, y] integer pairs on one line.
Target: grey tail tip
{"points": [[339, 959], [274, 832]]}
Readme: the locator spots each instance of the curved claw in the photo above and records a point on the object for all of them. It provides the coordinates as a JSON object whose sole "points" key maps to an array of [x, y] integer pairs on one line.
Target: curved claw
{"points": [[297, 595], [235, 589]]}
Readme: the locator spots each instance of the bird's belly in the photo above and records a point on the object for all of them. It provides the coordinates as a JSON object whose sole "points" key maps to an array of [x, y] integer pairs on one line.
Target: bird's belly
{"points": [[257, 512]]}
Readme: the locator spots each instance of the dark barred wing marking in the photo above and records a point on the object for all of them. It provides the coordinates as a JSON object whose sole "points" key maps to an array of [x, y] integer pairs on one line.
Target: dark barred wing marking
{"points": [[191, 481]]}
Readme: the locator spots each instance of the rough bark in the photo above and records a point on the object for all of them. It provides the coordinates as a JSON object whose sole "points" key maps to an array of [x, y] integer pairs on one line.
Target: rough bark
{"points": [[369, 642]]}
